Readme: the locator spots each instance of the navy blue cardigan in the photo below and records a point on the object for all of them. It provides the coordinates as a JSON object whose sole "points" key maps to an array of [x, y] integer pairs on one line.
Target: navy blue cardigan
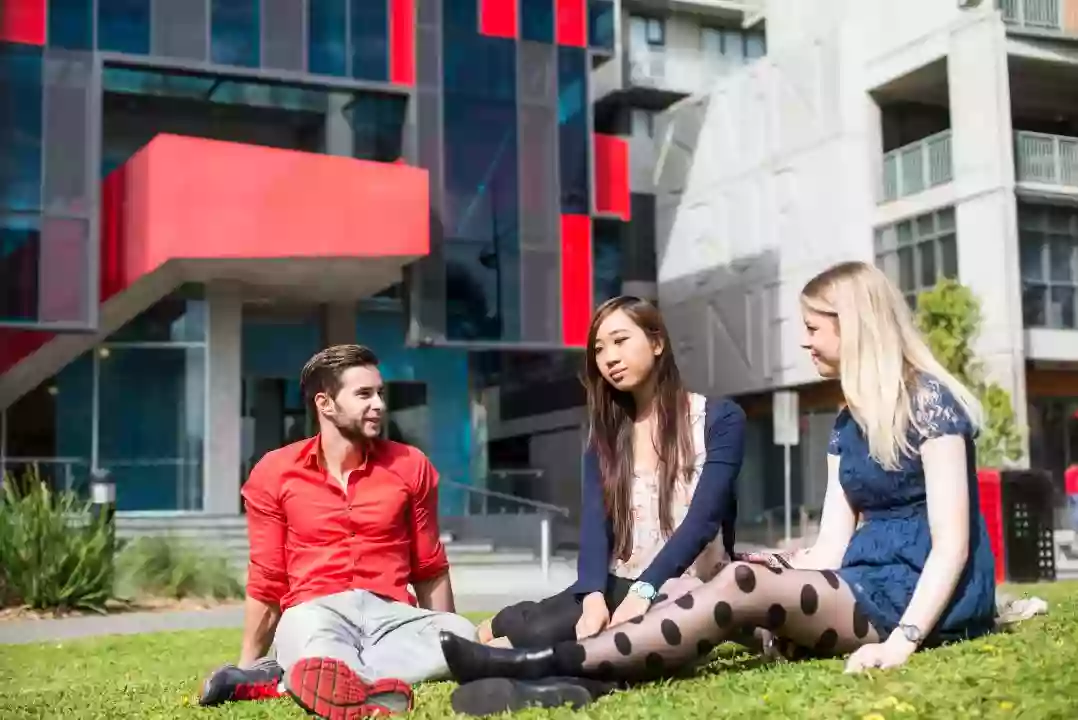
{"points": [[713, 506]]}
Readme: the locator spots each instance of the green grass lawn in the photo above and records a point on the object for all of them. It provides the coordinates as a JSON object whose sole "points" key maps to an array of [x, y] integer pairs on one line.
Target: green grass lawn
{"points": [[1031, 673]]}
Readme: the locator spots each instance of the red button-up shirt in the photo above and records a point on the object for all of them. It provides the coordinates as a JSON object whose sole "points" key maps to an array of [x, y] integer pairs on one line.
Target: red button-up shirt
{"points": [[311, 538]]}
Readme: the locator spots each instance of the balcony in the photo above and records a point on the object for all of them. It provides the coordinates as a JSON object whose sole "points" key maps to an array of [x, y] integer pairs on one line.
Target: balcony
{"points": [[678, 70], [1055, 16], [1046, 159], [916, 167]]}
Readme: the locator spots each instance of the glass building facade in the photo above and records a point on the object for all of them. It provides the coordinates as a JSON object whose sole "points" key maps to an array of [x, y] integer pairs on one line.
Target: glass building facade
{"points": [[490, 97]]}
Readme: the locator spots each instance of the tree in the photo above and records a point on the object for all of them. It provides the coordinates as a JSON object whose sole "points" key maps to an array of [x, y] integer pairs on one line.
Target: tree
{"points": [[949, 316]]}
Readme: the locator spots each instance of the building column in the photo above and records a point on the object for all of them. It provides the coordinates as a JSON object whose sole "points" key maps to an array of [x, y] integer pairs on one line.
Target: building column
{"points": [[337, 132], [224, 393], [986, 212], [338, 324]]}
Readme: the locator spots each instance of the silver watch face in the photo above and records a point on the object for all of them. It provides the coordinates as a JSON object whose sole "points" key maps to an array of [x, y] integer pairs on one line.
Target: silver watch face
{"points": [[912, 632]]}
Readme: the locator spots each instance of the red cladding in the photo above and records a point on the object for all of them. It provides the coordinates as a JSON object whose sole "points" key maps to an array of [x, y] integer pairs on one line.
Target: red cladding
{"points": [[576, 291], [254, 203], [402, 42], [22, 21], [498, 18], [990, 490], [612, 176], [17, 344], [571, 22]]}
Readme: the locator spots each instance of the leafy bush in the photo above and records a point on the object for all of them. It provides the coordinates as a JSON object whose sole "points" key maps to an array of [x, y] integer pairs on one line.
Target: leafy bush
{"points": [[167, 567], [949, 315], [47, 560]]}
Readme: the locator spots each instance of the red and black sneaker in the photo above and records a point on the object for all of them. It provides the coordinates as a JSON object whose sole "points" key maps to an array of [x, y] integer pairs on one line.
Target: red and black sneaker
{"points": [[229, 683], [329, 689]]}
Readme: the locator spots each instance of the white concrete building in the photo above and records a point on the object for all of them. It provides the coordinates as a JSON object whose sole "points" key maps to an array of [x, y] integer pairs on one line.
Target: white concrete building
{"points": [[934, 137]]}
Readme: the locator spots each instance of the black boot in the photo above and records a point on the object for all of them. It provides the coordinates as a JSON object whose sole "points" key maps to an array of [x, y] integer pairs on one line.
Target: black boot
{"points": [[469, 661], [497, 695]]}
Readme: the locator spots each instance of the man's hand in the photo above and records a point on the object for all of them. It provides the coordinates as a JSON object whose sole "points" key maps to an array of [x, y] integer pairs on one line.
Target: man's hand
{"points": [[632, 606], [594, 617]]}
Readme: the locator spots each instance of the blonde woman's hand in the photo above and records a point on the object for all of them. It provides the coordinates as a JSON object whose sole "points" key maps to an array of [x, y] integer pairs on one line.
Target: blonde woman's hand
{"points": [[594, 616], [893, 652]]}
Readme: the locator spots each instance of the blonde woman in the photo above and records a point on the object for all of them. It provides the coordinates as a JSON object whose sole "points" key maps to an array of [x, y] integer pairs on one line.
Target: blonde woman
{"points": [[918, 571]]}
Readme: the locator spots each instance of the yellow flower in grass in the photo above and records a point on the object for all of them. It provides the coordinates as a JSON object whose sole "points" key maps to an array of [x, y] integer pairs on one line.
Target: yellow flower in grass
{"points": [[1006, 705], [873, 716]]}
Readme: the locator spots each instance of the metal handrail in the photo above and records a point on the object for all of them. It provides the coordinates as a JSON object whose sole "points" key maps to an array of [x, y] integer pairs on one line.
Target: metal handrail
{"points": [[547, 509], [537, 504]]}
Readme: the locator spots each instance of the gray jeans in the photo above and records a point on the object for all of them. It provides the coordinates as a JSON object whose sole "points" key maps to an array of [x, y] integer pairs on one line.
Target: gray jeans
{"points": [[377, 638]]}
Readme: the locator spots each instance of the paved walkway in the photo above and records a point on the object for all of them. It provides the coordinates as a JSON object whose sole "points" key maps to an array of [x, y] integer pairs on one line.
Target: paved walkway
{"points": [[472, 587]]}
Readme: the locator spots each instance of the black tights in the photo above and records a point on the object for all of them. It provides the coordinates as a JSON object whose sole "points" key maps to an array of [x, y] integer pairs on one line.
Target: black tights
{"points": [[812, 609]]}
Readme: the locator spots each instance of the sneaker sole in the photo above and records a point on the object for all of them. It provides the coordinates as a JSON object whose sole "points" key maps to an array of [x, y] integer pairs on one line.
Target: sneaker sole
{"points": [[329, 689]]}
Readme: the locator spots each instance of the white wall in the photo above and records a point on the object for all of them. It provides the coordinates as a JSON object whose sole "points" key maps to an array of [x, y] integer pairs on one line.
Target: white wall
{"points": [[774, 177]]}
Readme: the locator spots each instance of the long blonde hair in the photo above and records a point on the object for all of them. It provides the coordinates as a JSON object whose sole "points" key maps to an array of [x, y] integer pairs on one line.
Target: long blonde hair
{"points": [[881, 354]]}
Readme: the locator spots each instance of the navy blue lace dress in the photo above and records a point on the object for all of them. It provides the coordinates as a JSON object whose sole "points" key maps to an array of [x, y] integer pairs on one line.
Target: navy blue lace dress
{"points": [[887, 553]]}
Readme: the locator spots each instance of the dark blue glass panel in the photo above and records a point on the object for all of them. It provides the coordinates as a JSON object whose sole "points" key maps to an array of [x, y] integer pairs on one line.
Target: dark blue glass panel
{"points": [[601, 24], [606, 254], [235, 33], [327, 45], [481, 215], [124, 26], [20, 127], [71, 24], [377, 126], [573, 130], [20, 249], [461, 16], [369, 30], [537, 20]]}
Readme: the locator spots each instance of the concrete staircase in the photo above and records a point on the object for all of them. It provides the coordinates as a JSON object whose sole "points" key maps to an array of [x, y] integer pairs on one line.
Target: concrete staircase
{"points": [[227, 535]]}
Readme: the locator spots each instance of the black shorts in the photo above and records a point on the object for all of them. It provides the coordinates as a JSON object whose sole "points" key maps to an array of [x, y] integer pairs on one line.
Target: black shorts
{"points": [[541, 624]]}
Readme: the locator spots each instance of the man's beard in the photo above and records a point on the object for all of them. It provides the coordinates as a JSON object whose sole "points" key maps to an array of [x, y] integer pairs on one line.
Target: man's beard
{"points": [[353, 432]]}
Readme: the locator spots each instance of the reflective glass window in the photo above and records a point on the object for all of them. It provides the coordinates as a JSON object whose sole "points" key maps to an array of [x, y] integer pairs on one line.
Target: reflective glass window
{"points": [[537, 20], [573, 130], [235, 37], [327, 44], [601, 24], [377, 126], [71, 24], [20, 253], [606, 260], [124, 26], [369, 39], [20, 126]]}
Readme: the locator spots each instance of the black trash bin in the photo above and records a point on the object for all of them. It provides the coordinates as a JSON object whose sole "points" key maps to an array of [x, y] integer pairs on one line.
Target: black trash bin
{"points": [[1027, 498]]}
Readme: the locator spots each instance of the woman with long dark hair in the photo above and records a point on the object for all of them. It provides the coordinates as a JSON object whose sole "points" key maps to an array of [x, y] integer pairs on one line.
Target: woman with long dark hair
{"points": [[658, 501], [917, 570]]}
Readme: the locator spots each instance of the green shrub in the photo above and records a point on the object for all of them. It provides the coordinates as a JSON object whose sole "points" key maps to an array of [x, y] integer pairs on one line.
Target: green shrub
{"points": [[170, 568], [47, 560]]}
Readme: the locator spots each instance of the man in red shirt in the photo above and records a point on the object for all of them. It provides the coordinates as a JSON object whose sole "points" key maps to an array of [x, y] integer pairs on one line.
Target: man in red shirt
{"points": [[339, 525]]}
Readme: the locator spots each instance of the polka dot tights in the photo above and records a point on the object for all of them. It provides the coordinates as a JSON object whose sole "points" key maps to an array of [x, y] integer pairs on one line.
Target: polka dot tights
{"points": [[812, 609]]}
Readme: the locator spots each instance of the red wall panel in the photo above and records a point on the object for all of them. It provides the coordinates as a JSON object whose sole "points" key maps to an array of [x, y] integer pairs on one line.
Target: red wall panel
{"points": [[990, 491], [576, 282], [498, 18], [402, 42], [23, 21], [571, 22], [612, 176], [17, 344]]}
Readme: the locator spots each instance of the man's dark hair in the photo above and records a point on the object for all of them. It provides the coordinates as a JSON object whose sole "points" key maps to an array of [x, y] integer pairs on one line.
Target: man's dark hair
{"points": [[323, 371]]}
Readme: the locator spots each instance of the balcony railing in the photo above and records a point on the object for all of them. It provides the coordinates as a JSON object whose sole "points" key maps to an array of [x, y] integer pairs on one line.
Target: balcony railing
{"points": [[1047, 159], [681, 70], [1033, 14], [917, 167]]}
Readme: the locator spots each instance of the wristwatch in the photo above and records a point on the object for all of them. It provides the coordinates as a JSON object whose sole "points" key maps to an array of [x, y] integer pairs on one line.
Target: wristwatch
{"points": [[644, 590], [912, 633]]}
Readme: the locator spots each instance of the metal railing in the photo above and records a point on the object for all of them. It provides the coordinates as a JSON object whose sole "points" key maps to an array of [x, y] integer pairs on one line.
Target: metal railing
{"points": [[678, 69], [67, 474], [546, 511], [1033, 14], [1048, 159], [917, 167]]}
